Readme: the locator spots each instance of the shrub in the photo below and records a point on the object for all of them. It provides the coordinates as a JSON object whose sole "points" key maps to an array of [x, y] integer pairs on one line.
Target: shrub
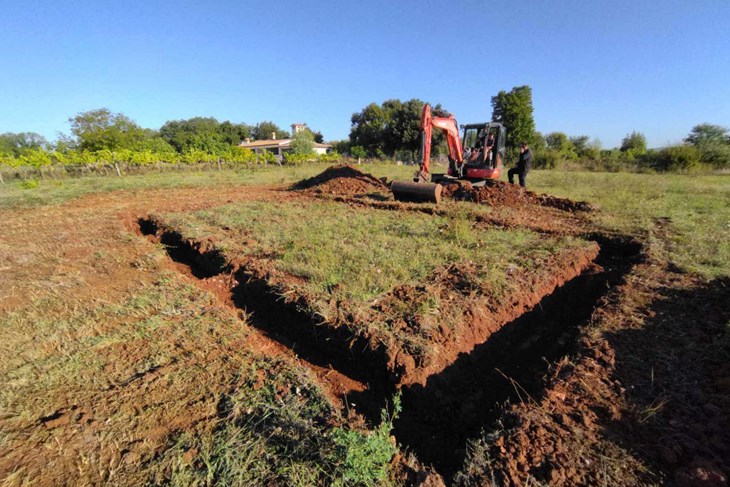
{"points": [[330, 157], [675, 158], [716, 155], [34, 158], [29, 184], [545, 159], [297, 159], [239, 155]]}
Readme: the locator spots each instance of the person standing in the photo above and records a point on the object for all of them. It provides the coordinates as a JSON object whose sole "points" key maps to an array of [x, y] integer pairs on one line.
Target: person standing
{"points": [[523, 165]]}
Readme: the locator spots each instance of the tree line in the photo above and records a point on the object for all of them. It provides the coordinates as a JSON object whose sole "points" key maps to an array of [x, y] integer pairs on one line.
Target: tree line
{"points": [[101, 136], [382, 131], [392, 130]]}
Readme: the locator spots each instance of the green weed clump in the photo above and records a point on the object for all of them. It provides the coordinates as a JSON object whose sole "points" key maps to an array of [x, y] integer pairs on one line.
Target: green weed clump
{"points": [[277, 434], [367, 455], [30, 184]]}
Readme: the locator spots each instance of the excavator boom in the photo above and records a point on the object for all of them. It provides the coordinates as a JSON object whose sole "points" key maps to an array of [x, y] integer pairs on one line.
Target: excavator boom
{"points": [[421, 188]]}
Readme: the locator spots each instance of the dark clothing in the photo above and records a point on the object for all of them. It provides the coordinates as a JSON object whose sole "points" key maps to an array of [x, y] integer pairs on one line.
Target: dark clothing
{"points": [[525, 161], [521, 172], [523, 167]]}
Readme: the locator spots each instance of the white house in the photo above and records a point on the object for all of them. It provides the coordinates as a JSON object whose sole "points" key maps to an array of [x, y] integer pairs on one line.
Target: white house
{"points": [[279, 146]]}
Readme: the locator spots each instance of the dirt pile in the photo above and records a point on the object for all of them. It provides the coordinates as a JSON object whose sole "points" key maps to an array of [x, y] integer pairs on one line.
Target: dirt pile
{"points": [[342, 179], [498, 193]]}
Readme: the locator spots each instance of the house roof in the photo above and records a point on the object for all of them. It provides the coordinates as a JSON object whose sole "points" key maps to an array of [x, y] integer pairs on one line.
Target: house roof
{"points": [[262, 144]]}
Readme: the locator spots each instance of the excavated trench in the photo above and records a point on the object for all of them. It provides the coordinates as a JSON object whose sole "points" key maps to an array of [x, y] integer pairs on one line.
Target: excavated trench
{"points": [[469, 396], [456, 404], [285, 322]]}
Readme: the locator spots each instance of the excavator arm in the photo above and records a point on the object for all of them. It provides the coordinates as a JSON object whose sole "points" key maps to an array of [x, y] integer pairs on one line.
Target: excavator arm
{"points": [[450, 128], [422, 189]]}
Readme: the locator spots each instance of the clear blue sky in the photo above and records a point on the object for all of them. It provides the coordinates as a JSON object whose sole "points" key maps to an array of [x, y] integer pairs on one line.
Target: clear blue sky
{"points": [[597, 68]]}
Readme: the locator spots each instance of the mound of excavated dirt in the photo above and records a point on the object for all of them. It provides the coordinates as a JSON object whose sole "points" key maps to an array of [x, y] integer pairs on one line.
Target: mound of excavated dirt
{"points": [[342, 179], [498, 193]]}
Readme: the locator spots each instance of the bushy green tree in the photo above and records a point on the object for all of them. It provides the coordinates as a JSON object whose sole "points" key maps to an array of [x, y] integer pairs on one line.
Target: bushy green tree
{"points": [[368, 128], [514, 110], [101, 129], [199, 133], [203, 133], [303, 143], [14, 144], [713, 142], [678, 158], [358, 152], [382, 130], [708, 134], [634, 143], [559, 142], [342, 146], [265, 130], [234, 133]]}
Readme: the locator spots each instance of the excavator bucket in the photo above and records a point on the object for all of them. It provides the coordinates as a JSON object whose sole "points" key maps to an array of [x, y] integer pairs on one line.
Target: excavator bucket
{"points": [[416, 192]]}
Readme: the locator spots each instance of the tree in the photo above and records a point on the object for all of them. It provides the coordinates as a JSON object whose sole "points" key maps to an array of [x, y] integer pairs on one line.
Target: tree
{"points": [[514, 110], [713, 142], [316, 136], [15, 144], [101, 129], [341, 146], [199, 133], [393, 126], [580, 144], [265, 130], [234, 133], [358, 151], [558, 141], [634, 143], [368, 128], [204, 133], [303, 143], [708, 134]]}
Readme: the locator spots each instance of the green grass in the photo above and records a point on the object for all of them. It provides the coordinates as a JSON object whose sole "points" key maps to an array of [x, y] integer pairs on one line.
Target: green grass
{"points": [[698, 208], [270, 425], [24, 194], [358, 253]]}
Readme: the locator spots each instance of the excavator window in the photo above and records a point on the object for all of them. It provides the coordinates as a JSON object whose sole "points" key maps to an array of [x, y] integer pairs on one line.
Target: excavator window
{"points": [[470, 137]]}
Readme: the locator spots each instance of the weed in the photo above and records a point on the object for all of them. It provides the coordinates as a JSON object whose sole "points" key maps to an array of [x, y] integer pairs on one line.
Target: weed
{"points": [[30, 184], [367, 455]]}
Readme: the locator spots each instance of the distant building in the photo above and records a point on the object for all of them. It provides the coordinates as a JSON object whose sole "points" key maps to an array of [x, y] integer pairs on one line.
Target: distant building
{"points": [[279, 147]]}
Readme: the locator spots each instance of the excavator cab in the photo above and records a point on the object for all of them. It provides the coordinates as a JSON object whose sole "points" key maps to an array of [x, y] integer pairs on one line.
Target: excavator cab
{"points": [[484, 151]]}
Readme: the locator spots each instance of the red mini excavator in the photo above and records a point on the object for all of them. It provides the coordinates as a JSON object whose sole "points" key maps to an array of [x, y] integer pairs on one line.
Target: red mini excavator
{"points": [[476, 157]]}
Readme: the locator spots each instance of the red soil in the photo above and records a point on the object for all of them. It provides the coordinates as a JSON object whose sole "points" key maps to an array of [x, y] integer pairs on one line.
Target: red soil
{"points": [[342, 179], [499, 193]]}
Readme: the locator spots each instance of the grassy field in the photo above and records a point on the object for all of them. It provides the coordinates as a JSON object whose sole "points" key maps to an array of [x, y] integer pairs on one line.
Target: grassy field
{"points": [[358, 254], [697, 207], [116, 369]]}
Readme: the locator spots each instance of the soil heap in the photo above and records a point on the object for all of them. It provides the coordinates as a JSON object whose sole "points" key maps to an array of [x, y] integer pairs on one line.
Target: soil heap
{"points": [[499, 193], [342, 179]]}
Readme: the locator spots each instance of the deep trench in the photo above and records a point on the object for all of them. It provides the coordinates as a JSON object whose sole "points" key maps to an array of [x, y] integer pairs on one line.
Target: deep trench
{"points": [[469, 396], [286, 322]]}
